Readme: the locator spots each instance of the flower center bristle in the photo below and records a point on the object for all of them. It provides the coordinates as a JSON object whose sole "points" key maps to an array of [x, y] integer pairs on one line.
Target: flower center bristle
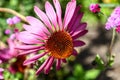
{"points": [[59, 45]]}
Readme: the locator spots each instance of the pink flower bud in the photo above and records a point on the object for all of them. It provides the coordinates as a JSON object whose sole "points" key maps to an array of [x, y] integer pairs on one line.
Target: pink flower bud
{"points": [[7, 31], [95, 8], [10, 21], [16, 19]]}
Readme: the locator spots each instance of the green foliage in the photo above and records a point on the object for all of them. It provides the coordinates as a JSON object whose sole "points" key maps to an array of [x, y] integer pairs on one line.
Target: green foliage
{"points": [[9, 76], [79, 73], [100, 63]]}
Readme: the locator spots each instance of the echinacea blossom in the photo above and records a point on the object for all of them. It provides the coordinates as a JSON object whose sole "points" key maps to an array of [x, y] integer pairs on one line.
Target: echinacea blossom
{"points": [[10, 51], [1, 71], [51, 35], [114, 19], [18, 66], [95, 8]]}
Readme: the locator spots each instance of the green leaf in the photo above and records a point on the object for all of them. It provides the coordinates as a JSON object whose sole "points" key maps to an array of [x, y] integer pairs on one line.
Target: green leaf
{"points": [[78, 71], [91, 74], [99, 61]]}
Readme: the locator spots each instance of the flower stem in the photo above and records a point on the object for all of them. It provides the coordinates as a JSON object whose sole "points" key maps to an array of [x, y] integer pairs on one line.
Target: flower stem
{"points": [[14, 13], [112, 41]]}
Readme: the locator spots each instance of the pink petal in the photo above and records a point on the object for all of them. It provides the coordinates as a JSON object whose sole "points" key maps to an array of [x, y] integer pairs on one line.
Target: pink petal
{"points": [[11, 46], [1, 77], [51, 13], [0, 60], [69, 13], [79, 27], [79, 34], [1, 69], [36, 27], [33, 59], [28, 38], [74, 52], [49, 65], [43, 17], [64, 60], [75, 16], [58, 12], [26, 47], [42, 66], [58, 63], [30, 51], [78, 43], [30, 29]]}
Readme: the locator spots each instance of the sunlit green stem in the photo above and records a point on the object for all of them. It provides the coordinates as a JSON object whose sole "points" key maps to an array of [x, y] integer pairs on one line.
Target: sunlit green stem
{"points": [[14, 13], [112, 41]]}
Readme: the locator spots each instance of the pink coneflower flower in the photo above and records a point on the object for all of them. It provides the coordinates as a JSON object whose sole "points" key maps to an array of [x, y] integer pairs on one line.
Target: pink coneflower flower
{"points": [[1, 71], [17, 66], [95, 8], [10, 51], [55, 38], [114, 20]]}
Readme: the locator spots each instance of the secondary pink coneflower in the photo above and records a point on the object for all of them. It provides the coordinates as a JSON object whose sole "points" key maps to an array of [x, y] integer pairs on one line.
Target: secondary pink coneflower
{"points": [[54, 37], [9, 52]]}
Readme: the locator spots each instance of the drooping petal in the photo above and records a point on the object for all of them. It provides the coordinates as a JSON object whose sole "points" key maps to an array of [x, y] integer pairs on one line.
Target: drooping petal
{"points": [[74, 52], [64, 60], [58, 63], [78, 43], [28, 38], [43, 17], [33, 59], [79, 34], [42, 66], [51, 13], [58, 12], [69, 13], [48, 66]]}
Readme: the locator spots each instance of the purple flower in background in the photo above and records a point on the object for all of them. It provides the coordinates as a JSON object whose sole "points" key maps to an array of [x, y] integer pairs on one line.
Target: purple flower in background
{"points": [[16, 19], [114, 19], [10, 21], [55, 38], [7, 31], [9, 52], [95, 8], [1, 70]]}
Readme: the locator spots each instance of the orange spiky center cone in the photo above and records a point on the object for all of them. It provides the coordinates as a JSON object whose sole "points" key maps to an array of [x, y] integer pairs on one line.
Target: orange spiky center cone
{"points": [[59, 45]]}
